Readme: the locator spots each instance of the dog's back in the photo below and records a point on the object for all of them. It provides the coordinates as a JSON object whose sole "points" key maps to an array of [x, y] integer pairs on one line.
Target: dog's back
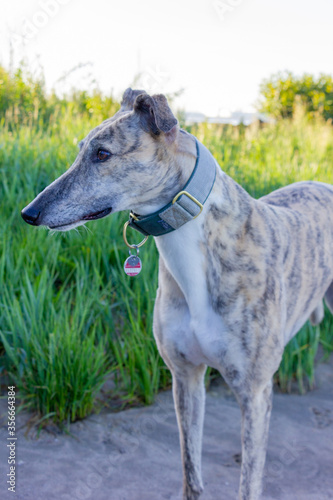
{"points": [[302, 196], [306, 209]]}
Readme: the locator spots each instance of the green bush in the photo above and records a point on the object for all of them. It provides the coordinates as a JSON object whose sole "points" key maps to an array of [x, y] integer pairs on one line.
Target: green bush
{"points": [[24, 101], [281, 92]]}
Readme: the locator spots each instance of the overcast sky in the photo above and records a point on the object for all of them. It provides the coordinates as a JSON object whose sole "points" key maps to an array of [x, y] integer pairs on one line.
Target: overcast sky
{"points": [[218, 51]]}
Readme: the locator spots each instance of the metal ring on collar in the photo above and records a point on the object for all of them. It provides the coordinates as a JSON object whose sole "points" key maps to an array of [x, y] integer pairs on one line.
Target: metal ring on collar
{"points": [[138, 245]]}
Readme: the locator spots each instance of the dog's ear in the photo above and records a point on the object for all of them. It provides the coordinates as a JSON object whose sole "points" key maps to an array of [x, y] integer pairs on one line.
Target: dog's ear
{"points": [[129, 97], [156, 115]]}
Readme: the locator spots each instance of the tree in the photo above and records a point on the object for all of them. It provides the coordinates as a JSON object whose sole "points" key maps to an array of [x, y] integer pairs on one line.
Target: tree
{"points": [[278, 94]]}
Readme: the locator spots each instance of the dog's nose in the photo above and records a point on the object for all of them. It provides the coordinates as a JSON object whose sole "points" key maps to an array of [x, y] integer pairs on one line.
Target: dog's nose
{"points": [[30, 215]]}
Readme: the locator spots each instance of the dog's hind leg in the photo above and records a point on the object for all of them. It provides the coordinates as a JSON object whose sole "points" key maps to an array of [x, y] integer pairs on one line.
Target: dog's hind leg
{"points": [[317, 315], [329, 297], [189, 398], [256, 406]]}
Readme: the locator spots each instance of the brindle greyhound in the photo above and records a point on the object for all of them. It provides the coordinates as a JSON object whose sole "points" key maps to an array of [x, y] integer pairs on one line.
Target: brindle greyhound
{"points": [[238, 277]]}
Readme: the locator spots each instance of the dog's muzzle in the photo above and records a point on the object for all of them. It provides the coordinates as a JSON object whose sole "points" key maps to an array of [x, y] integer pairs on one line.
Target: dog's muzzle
{"points": [[32, 216]]}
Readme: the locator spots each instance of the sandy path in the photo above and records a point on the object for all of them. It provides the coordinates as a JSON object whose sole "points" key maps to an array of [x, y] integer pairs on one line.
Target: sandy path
{"points": [[134, 454]]}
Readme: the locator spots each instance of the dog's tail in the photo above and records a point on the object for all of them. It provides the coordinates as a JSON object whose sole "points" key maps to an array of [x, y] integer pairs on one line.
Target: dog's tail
{"points": [[317, 315]]}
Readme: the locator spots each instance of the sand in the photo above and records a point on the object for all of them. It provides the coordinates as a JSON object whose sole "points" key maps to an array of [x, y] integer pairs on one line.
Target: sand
{"points": [[134, 454]]}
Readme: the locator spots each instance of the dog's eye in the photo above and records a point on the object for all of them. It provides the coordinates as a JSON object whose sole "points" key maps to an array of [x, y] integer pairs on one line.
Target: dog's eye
{"points": [[103, 155]]}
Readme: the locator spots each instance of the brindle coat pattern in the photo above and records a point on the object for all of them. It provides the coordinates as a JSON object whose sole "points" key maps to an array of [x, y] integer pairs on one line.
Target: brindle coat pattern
{"points": [[235, 284]]}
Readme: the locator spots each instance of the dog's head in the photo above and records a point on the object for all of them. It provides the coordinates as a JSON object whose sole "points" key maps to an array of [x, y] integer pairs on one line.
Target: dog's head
{"points": [[127, 162]]}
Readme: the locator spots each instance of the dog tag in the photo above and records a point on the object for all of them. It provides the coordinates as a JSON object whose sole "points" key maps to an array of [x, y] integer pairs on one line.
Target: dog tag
{"points": [[132, 265]]}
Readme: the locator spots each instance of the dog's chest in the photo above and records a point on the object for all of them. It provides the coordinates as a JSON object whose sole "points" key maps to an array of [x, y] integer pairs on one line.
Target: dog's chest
{"points": [[192, 329]]}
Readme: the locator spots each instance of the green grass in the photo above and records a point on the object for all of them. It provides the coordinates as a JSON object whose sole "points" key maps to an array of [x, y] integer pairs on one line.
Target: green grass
{"points": [[70, 287], [58, 366], [70, 317]]}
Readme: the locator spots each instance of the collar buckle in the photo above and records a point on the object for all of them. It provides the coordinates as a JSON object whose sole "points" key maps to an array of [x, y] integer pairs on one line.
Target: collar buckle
{"points": [[181, 193]]}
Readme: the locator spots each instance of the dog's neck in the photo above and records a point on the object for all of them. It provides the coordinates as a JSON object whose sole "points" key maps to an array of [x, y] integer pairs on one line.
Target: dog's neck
{"points": [[175, 162], [224, 215], [185, 153], [227, 196], [231, 199]]}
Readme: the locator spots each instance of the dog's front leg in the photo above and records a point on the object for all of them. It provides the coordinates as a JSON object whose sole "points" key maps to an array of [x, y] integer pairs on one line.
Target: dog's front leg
{"points": [[179, 349], [256, 408], [189, 399]]}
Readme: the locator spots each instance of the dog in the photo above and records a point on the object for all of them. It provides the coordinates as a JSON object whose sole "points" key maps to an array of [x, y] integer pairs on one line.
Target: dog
{"points": [[238, 277]]}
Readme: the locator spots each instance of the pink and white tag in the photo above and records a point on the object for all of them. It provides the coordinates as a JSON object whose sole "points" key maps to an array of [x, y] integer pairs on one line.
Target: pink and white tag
{"points": [[132, 265]]}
